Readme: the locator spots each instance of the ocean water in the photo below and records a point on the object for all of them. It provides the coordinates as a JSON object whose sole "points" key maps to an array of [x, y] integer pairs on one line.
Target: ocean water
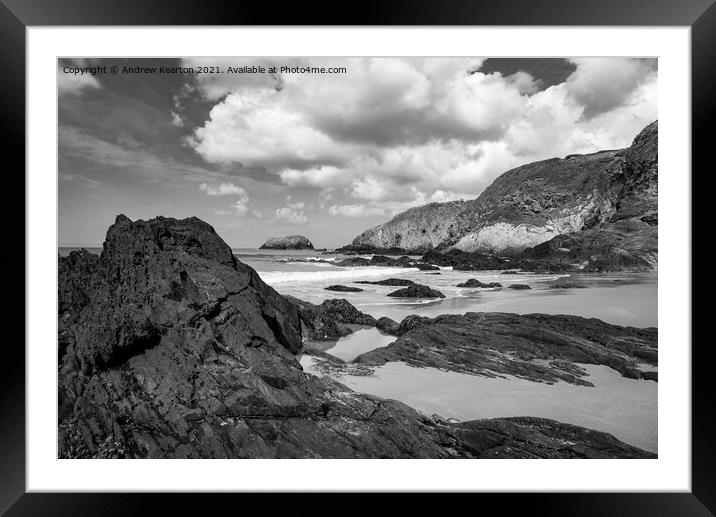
{"points": [[628, 299]]}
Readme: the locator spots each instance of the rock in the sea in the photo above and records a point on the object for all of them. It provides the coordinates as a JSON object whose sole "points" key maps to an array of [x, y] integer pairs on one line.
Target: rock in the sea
{"points": [[344, 289], [387, 325], [473, 282], [290, 242], [175, 349], [353, 261], [393, 282], [518, 286], [536, 347], [417, 291], [331, 319]]}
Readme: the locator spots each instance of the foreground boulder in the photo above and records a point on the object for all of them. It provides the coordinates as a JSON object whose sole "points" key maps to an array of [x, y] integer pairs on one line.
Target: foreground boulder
{"points": [[290, 242], [536, 347], [417, 291], [175, 349]]}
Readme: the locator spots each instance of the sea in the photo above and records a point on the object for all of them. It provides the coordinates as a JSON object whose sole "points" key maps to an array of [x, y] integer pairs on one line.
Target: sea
{"points": [[626, 408]]}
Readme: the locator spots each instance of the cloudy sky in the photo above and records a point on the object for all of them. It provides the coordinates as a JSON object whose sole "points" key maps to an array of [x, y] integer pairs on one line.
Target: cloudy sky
{"points": [[324, 155]]}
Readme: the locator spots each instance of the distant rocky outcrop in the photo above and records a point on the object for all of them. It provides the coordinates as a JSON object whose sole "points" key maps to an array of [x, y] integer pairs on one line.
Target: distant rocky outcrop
{"points": [[290, 242], [543, 201], [170, 347]]}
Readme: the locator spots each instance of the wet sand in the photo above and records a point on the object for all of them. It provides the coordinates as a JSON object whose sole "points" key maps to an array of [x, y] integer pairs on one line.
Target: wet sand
{"points": [[360, 342], [626, 408]]}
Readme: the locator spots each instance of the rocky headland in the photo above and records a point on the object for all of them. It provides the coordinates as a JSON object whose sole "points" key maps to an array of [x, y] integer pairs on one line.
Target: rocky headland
{"points": [[593, 212], [290, 242], [170, 347]]}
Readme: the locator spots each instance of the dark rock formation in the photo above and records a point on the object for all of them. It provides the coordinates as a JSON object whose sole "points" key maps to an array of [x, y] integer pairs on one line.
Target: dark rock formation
{"points": [[175, 349], [330, 320], [518, 286], [387, 325], [467, 261], [380, 260], [370, 250], [344, 289], [528, 437], [290, 242], [353, 261], [389, 281], [536, 347], [417, 291], [651, 376], [474, 282], [628, 244]]}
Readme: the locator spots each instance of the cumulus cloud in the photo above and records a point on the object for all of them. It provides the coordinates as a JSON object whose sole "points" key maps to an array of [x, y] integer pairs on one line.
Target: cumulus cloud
{"points": [[238, 207], [602, 84], [223, 189], [290, 216], [177, 120], [355, 210], [322, 176], [393, 133]]}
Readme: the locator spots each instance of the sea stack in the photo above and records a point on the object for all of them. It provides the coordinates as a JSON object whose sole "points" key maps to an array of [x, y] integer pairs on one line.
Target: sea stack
{"points": [[290, 242]]}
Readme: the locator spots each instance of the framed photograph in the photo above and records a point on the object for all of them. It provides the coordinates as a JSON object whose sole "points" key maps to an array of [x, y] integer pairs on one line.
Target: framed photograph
{"points": [[428, 251]]}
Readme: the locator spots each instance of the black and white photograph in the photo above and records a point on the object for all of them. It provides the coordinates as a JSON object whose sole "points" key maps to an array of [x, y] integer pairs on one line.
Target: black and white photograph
{"points": [[359, 257]]}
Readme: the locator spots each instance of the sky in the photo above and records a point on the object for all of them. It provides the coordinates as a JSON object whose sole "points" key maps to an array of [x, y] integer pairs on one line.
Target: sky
{"points": [[324, 155]]}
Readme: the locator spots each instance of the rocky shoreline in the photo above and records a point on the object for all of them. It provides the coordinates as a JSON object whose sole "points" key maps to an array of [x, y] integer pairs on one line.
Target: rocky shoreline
{"points": [[170, 347]]}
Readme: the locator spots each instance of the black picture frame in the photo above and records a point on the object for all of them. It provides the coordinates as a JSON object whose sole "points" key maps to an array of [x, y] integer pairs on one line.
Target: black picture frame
{"points": [[17, 15]]}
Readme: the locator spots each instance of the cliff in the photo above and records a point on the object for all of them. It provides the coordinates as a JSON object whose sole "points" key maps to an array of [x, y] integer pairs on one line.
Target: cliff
{"points": [[534, 203]]}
